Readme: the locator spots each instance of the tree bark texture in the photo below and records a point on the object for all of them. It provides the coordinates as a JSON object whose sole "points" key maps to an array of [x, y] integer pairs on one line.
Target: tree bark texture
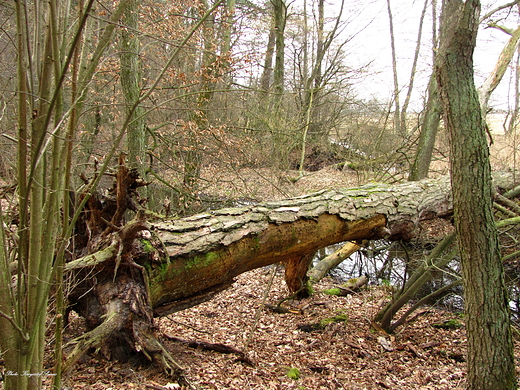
{"points": [[397, 122], [490, 361], [140, 269], [265, 79], [280, 18], [209, 250], [130, 83]]}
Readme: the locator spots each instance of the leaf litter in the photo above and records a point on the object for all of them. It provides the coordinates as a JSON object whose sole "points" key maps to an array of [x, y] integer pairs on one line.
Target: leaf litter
{"points": [[352, 354], [264, 346]]}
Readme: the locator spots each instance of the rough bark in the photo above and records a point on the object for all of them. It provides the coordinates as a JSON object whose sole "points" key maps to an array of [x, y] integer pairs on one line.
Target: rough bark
{"points": [[265, 79], [490, 361], [280, 18], [147, 269], [111, 285], [430, 120], [130, 74], [210, 249], [429, 127]]}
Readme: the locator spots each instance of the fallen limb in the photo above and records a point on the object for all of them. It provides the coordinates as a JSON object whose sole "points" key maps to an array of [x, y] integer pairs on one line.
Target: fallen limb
{"points": [[351, 287], [331, 261], [435, 261], [281, 309], [421, 302], [217, 347], [508, 203]]}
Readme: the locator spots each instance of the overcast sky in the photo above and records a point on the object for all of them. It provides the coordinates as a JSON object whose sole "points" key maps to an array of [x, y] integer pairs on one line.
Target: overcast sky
{"points": [[373, 43]]}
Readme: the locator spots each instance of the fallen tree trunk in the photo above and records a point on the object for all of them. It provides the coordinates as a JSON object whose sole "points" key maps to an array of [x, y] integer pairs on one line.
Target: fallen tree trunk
{"points": [[352, 286], [180, 263], [209, 250], [331, 261]]}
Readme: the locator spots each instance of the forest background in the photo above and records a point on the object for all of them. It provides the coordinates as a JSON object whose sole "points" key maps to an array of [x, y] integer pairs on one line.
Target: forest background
{"points": [[212, 104]]}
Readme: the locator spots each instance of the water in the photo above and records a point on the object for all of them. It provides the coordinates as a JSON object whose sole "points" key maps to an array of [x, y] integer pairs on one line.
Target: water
{"points": [[392, 263]]}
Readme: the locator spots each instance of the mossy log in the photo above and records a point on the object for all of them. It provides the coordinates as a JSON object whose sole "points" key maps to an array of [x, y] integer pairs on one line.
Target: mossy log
{"points": [[208, 250], [180, 263], [350, 287]]}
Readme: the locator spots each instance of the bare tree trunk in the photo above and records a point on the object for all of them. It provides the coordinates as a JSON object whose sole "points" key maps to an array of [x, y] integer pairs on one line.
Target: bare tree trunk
{"points": [[280, 17], [490, 361], [210, 74], [90, 58], [495, 77], [44, 225], [414, 68], [130, 83], [320, 45], [397, 122], [511, 127], [23, 307], [429, 128], [305, 43], [265, 79], [313, 83], [227, 29], [431, 119]]}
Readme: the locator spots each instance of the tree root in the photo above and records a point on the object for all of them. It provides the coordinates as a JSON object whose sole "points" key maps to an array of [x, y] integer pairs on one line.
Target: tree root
{"points": [[116, 304], [153, 348], [93, 339], [217, 347], [127, 328]]}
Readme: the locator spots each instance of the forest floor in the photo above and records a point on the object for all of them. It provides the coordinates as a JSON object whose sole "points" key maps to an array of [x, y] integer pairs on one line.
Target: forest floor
{"points": [[296, 350], [349, 353]]}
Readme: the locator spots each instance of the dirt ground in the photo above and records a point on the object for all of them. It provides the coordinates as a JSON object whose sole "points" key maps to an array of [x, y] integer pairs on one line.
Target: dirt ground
{"points": [[293, 351], [349, 353]]}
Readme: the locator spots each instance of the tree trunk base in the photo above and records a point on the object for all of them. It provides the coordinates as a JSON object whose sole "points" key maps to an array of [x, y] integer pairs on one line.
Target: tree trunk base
{"points": [[127, 273], [127, 328]]}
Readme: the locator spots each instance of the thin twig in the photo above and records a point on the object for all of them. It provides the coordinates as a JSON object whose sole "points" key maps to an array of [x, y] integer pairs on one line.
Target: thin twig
{"points": [[25, 337]]}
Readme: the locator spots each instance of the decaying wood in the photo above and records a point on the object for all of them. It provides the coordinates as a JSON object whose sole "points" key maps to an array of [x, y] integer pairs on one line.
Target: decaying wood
{"points": [[217, 347], [180, 263], [281, 310], [331, 261], [209, 249], [353, 285], [296, 274], [111, 289]]}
